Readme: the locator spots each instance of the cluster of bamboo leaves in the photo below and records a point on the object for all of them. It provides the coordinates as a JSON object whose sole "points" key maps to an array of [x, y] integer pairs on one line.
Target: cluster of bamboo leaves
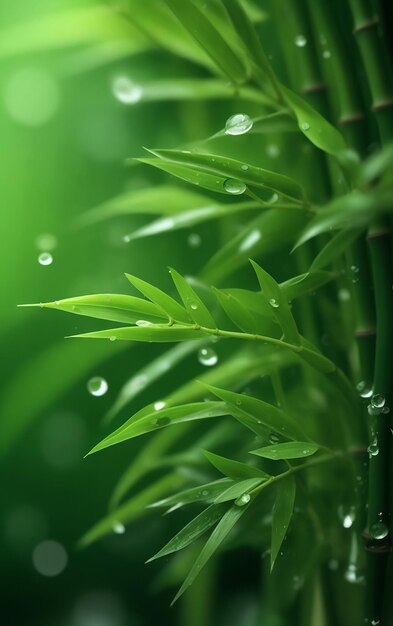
{"points": [[272, 444]]}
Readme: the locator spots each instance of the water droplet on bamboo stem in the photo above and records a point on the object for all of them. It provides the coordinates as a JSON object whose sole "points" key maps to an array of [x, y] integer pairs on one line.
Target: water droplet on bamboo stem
{"points": [[378, 401], [379, 530]]}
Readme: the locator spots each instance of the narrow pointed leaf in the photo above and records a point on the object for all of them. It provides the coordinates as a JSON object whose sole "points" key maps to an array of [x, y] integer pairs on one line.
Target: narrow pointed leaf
{"points": [[192, 531], [238, 490], [233, 469], [150, 419], [236, 311], [287, 450], [202, 493], [337, 245], [225, 525], [161, 299], [160, 333], [113, 307], [305, 283], [195, 307], [282, 513], [280, 307]]}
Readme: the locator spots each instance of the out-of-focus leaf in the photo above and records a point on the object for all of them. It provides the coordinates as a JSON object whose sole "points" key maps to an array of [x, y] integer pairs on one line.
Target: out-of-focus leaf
{"points": [[192, 531], [154, 333], [305, 283], [161, 299], [110, 306], [315, 127], [225, 525], [133, 509], [377, 164], [239, 489], [282, 513], [280, 307], [70, 28], [227, 168], [287, 450], [37, 384], [237, 311], [202, 493], [233, 469], [150, 419], [195, 307], [209, 38], [337, 245], [257, 414], [266, 233]]}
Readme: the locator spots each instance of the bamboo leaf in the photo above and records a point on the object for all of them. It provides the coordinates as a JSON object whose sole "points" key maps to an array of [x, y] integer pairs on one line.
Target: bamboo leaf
{"points": [[337, 245], [192, 531], [282, 513], [287, 450], [236, 311], [239, 490], [280, 307], [257, 414], [161, 299], [225, 525], [111, 306], [195, 307], [150, 419], [209, 38], [202, 493], [233, 469], [305, 283], [315, 127], [160, 333]]}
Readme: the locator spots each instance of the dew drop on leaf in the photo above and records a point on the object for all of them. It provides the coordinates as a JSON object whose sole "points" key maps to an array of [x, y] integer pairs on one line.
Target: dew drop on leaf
{"points": [[244, 167], [118, 528], [243, 500], [143, 323], [160, 404], [97, 386], [235, 187], [162, 421], [238, 124], [126, 91], [305, 126], [273, 302], [45, 258], [207, 357]]}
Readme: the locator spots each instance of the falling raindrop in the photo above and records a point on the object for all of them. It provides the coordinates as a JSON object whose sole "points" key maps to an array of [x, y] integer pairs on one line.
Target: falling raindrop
{"points": [[207, 357], [238, 124], [126, 91], [97, 386], [235, 187], [45, 258], [300, 41]]}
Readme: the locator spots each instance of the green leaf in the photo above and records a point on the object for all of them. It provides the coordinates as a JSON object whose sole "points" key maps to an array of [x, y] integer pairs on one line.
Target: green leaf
{"points": [[337, 245], [278, 302], [236, 311], [155, 333], [287, 450], [209, 38], [192, 531], [150, 419], [195, 308], [202, 493], [257, 414], [265, 234], [133, 509], [315, 127], [225, 525], [233, 469], [239, 489], [111, 306], [282, 513], [161, 299], [227, 168], [305, 283]]}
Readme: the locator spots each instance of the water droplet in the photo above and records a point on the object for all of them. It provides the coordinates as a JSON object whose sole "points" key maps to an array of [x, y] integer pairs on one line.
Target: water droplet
{"points": [[375, 622], [97, 386], [385, 410], [143, 323], [373, 449], [274, 303], [300, 41], [379, 530], [326, 54], [112, 338], [46, 242], [238, 124], [205, 492], [207, 357], [118, 528], [250, 240], [159, 405], [193, 306], [344, 295], [235, 187], [347, 521], [194, 240], [305, 126], [378, 401], [162, 421], [354, 268], [273, 198], [352, 576], [45, 258], [244, 167], [365, 389], [126, 91], [243, 500], [274, 438]]}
